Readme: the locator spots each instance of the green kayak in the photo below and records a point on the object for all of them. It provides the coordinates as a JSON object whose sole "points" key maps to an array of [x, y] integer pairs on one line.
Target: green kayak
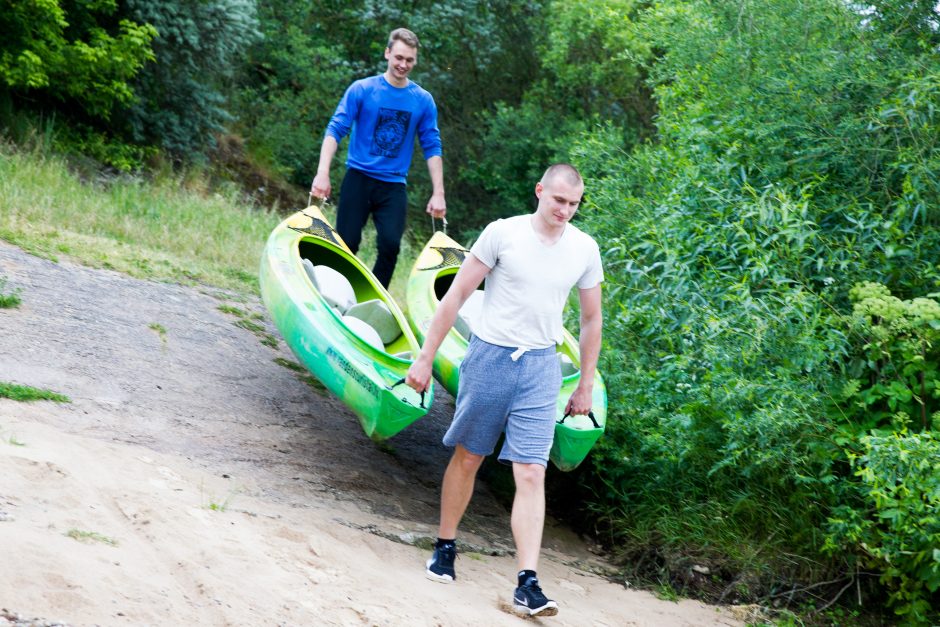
{"points": [[430, 278], [341, 323]]}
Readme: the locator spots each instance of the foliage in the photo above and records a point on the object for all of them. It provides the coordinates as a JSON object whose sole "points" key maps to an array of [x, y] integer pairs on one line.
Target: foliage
{"points": [[180, 97], [796, 156], [71, 53], [897, 529], [587, 73], [894, 378], [291, 82], [891, 413]]}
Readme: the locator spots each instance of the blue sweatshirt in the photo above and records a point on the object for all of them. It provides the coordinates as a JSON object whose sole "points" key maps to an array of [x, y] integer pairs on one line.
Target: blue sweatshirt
{"points": [[384, 120]]}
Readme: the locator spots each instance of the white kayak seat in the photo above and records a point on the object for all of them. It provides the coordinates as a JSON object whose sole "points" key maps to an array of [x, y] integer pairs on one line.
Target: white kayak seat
{"points": [[364, 331], [311, 273], [567, 366], [332, 285], [469, 313], [377, 314]]}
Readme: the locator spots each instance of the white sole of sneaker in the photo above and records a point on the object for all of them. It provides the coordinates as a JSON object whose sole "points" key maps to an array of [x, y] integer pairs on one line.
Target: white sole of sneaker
{"points": [[545, 610], [435, 577], [438, 578]]}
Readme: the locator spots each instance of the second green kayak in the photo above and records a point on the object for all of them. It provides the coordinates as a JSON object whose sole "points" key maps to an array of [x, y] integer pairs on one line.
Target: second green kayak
{"points": [[430, 278]]}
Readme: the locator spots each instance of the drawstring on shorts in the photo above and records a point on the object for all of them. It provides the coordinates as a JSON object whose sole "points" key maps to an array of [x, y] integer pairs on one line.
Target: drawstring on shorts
{"points": [[519, 352]]}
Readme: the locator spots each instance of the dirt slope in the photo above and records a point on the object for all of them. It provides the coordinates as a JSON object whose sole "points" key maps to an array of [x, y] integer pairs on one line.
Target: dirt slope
{"points": [[192, 479]]}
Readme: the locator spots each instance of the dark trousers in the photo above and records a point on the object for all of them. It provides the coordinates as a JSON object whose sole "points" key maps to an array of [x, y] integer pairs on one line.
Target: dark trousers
{"points": [[361, 196]]}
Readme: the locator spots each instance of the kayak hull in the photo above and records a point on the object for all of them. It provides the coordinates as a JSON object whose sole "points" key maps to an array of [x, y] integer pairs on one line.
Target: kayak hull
{"points": [[431, 276], [433, 272], [367, 379]]}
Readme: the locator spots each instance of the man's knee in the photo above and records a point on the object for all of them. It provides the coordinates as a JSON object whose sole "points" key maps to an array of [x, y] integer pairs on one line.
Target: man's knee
{"points": [[528, 476], [467, 462]]}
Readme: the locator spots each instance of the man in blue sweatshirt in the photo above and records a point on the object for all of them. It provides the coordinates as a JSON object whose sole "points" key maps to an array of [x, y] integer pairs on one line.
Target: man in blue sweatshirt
{"points": [[384, 114]]}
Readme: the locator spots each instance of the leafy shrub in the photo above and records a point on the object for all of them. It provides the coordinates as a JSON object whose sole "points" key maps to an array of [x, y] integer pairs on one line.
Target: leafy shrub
{"points": [[783, 174], [71, 53], [180, 102], [896, 530], [895, 375]]}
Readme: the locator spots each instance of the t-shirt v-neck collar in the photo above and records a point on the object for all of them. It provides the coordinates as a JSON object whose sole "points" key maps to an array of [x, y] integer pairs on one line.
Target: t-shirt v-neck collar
{"points": [[538, 239]]}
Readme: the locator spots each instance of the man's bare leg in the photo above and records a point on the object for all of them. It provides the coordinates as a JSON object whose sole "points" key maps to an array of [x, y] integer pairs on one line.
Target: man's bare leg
{"points": [[528, 520], [456, 490], [528, 513]]}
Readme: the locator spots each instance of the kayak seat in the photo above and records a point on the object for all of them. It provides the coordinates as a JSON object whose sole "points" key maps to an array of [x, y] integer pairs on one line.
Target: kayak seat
{"points": [[308, 268], [369, 335], [333, 286], [567, 366], [376, 313], [469, 313]]}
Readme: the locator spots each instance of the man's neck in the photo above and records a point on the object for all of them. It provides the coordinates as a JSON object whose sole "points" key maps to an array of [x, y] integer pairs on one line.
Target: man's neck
{"points": [[547, 233], [395, 82]]}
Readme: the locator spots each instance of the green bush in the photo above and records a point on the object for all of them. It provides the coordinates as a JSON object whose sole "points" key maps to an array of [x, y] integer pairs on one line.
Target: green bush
{"points": [[896, 528], [895, 371], [71, 53], [795, 158], [180, 99]]}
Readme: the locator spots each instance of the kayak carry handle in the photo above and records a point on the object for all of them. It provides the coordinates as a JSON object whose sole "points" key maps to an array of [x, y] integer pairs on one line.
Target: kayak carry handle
{"points": [[434, 225], [399, 382], [590, 415]]}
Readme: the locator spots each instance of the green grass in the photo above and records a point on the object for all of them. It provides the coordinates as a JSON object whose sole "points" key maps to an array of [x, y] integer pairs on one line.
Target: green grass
{"points": [[25, 393], [90, 536], [172, 228], [290, 365], [302, 374], [169, 229], [8, 300], [218, 507], [212, 503], [246, 321], [159, 328]]}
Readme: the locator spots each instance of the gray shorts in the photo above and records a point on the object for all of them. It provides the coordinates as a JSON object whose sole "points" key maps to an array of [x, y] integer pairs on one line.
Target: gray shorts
{"points": [[496, 394]]}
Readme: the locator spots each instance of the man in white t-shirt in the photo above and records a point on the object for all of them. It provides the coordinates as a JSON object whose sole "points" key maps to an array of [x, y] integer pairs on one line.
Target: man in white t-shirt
{"points": [[510, 377]]}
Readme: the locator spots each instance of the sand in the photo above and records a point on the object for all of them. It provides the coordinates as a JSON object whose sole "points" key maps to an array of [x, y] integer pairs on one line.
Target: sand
{"points": [[191, 479]]}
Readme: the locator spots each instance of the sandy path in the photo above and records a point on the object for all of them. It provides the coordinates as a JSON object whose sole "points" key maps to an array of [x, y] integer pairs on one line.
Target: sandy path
{"points": [[235, 494]]}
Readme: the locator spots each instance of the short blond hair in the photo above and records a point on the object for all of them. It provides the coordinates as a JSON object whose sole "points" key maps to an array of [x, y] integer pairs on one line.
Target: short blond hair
{"points": [[565, 170], [403, 35]]}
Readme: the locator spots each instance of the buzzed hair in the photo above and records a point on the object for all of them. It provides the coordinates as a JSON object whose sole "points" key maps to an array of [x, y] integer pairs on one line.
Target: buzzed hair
{"points": [[566, 171], [403, 35]]}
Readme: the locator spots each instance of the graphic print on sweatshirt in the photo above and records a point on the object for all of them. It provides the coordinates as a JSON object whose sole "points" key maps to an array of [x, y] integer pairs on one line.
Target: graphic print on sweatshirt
{"points": [[390, 130]]}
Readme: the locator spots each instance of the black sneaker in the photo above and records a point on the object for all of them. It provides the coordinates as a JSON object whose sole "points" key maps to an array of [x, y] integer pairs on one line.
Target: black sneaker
{"points": [[529, 600], [441, 565]]}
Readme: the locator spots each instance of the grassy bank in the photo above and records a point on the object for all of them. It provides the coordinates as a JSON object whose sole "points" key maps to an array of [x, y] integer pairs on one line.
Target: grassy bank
{"points": [[166, 229]]}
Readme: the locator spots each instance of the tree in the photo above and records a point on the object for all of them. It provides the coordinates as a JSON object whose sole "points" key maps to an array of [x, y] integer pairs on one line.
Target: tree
{"points": [[56, 54], [180, 97]]}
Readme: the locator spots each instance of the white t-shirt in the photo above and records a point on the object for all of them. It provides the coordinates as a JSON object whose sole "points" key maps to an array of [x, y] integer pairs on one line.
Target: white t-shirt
{"points": [[529, 282]]}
